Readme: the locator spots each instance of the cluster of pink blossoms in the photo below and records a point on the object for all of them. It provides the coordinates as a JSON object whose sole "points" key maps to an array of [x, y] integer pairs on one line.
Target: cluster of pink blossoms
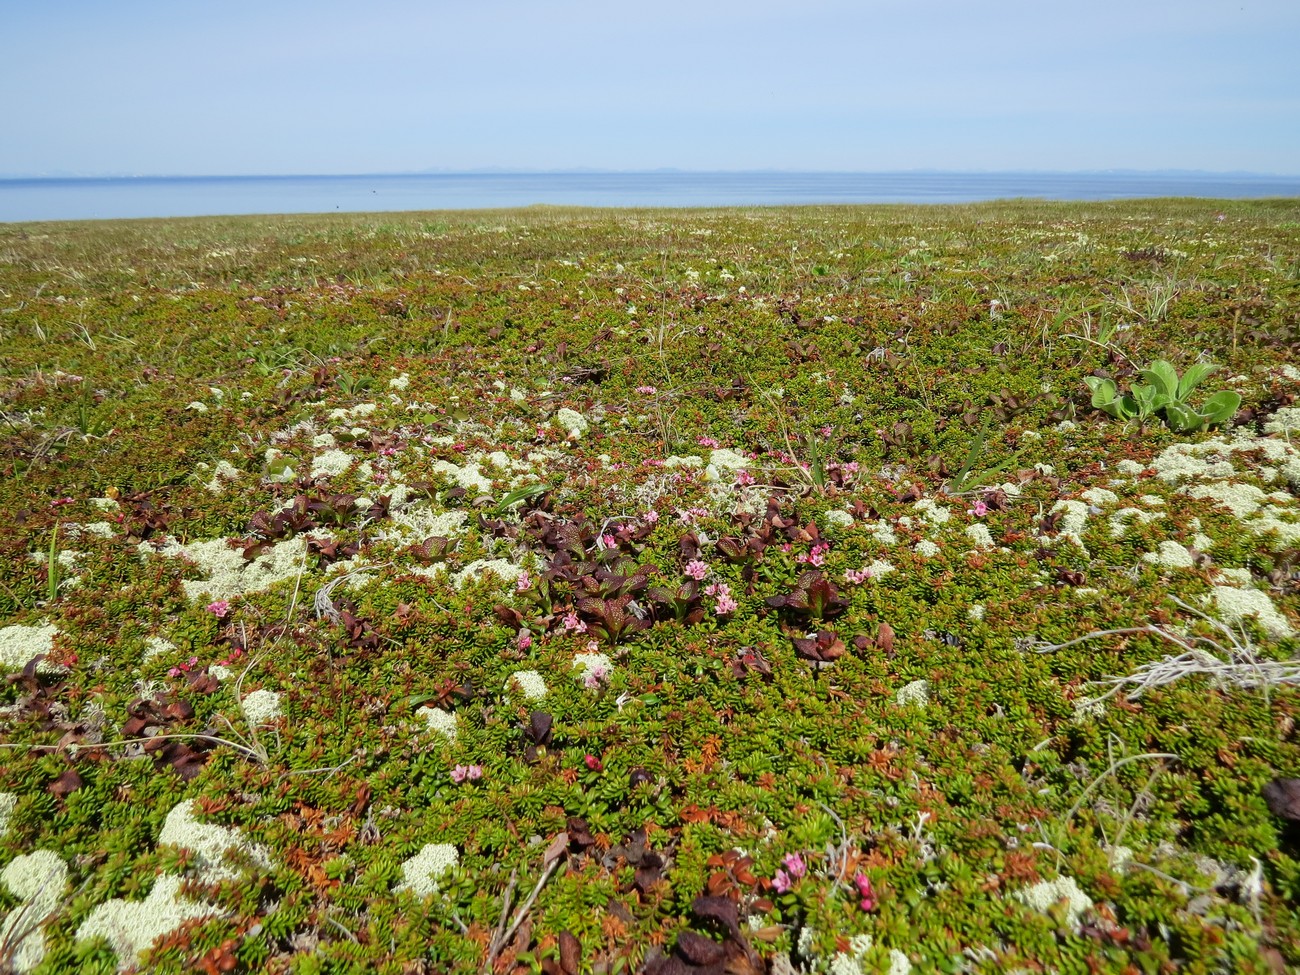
{"points": [[865, 892], [183, 668], [219, 609], [708, 442], [696, 569], [858, 575], [572, 624], [725, 604], [815, 557], [466, 773], [795, 868]]}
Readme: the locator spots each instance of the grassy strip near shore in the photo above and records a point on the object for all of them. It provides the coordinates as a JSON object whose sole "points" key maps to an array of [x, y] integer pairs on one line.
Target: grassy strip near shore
{"points": [[597, 591]]}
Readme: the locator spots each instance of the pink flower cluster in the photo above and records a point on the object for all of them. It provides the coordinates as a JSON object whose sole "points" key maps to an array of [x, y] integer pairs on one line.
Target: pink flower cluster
{"points": [[696, 569], [183, 668], [795, 868], [524, 639], [815, 557], [725, 604], [857, 575], [524, 582], [707, 442], [572, 624], [219, 609], [593, 762], [865, 891], [980, 509], [650, 517], [466, 773], [744, 478], [646, 390], [596, 678]]}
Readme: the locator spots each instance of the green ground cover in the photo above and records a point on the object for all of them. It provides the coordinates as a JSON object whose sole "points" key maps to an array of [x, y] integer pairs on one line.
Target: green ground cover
{"points": [[691, 591]]}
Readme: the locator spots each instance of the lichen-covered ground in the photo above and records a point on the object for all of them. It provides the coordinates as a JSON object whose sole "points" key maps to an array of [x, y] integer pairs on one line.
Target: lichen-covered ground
{"points": [[691, 591]]}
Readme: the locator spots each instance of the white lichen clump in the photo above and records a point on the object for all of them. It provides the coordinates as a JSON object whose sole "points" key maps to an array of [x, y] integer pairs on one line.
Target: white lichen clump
{"points": [[1043, 896], [223, 473], [130, 927], [979, 535], [529, 683], [595, 667], [1234, 605], [571, 421], [261, 707], [927, 549], [37, 880], [228, 576], [332, 463], [420, 873], [443, 722], [19, 644], [915, 694], [210, 844], [8, 803], [838, 519], [1171, 555], [504, 571]]}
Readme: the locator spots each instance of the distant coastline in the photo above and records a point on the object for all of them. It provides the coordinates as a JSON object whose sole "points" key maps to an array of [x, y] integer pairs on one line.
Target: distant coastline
{"points": [[114, 197]]}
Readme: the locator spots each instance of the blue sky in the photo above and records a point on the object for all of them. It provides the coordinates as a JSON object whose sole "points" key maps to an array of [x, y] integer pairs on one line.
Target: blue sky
{"points": [[238, 87]]}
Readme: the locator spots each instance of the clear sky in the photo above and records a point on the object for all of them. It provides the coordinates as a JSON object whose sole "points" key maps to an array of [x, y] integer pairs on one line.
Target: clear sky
{"points": [[168, 87]]}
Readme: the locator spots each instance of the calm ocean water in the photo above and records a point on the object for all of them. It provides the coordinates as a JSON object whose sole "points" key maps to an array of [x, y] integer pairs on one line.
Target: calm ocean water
{"points": [[87, 199]]}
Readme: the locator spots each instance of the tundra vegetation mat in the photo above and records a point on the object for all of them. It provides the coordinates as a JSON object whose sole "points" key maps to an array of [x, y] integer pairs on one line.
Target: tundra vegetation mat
{"points": [[682, 591]]}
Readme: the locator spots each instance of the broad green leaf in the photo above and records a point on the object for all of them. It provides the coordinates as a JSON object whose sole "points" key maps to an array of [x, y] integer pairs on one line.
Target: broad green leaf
{"points": [[1182, 418], [1192, 378], [1127, 407], [1103, 390], [1221, 407], [1163, 377]]}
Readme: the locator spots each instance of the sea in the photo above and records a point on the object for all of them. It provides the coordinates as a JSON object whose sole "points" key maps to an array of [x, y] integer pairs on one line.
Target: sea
{"points": [[181, 196]]}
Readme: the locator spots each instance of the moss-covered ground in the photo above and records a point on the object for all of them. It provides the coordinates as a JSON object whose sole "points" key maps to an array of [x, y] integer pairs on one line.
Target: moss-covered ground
{"points": [[579, 591]]}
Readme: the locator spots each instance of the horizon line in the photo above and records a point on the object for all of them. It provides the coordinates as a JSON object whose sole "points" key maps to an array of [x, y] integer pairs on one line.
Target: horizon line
{"points": [[661, 170]]}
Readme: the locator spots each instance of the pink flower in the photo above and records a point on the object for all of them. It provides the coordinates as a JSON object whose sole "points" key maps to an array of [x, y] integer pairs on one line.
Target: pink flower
{"points": [[524, 640], [857, 575], [608, 540], [595, 678], [696, 569], [980, 509], [707, 442], [219, 609], [865, 891], [650, 517], [646, 390], [781, 881], [725, 603], [474, 773], [593, 762], [572, 624], [744, 478], [794, 863], [174, 672], [524, 582]]}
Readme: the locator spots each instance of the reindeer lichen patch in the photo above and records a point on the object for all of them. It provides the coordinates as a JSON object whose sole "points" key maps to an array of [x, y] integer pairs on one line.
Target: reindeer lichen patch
{"points": [[210, 843], [38, 880], [1235, 605], [421, 872], [131, 927], [20, 644]]}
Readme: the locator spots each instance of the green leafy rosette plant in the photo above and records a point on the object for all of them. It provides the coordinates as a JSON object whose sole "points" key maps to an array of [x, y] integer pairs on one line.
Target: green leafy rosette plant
{"points": [[1164, 392]]}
